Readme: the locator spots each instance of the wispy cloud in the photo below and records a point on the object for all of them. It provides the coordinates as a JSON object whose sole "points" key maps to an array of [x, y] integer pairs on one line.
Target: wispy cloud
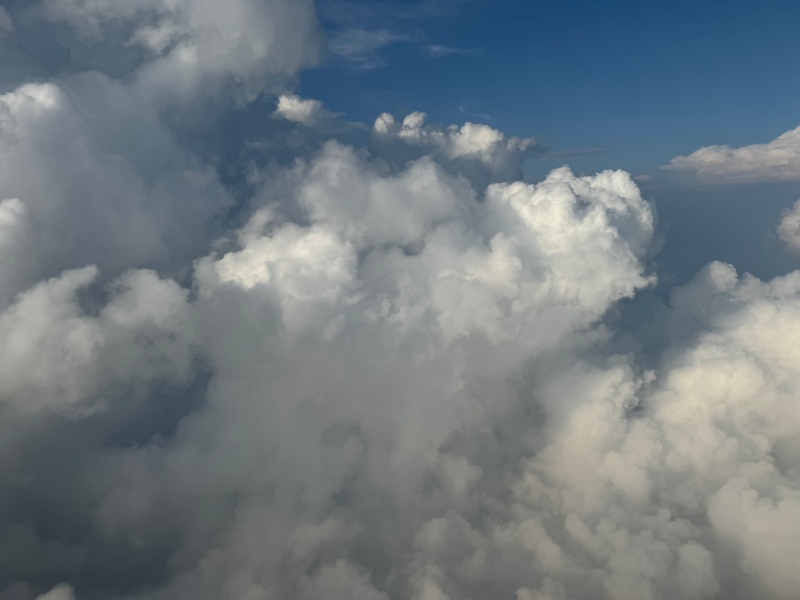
{"points": [[362, 46], [360, 32], [475, 115], [352, 12], [438, 50], [6, 25]]}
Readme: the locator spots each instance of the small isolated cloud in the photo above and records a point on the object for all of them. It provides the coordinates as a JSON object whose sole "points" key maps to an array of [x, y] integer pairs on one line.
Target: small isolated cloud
{"points": [[778, 160], [438, 51], [305, 111], [294, 108], [789, 228], [312, 117]]}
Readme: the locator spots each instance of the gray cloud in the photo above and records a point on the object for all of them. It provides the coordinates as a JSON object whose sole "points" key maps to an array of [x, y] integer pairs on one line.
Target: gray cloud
{"points": [[6, 24], [60, 592], [789, 228]]}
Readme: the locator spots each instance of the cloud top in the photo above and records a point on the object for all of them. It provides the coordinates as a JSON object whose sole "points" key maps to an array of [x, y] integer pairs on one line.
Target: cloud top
{"points": [[778, 160], [466, 148]]}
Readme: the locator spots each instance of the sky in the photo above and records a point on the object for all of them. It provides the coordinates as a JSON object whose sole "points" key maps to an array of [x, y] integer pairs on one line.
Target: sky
{"points": [[410, 300], [641, 82], [612, 85]]}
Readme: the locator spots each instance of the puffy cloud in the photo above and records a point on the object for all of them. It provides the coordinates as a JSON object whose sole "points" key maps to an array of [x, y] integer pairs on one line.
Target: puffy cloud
{"points": [[789, 228], [108, 159], [56, 358], [718, 408], [295, 108], [196, 47], [99, 179], [312, 115], [389, 330], [340, 581], [467, 148], [778, 160]]}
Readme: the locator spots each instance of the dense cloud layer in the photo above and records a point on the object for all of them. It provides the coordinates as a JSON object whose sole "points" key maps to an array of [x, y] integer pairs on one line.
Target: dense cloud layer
{"points": [[387, 370]]}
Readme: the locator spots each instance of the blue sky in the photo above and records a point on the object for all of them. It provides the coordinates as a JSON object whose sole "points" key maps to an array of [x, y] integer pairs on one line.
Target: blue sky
{"points": [[638, 82]]}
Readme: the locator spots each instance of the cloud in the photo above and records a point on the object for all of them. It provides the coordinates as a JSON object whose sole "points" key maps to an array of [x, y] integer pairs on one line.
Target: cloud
{"points": [[361, 46], [789, 228], [381, 11], [97, 178], [438, 51], [778, 160], [465, 111], [55, 357], [476, 150], [383, 368], [313, 115], [60, 592], [195, 47], [395, 281], [295, 108], [362, 30], [6, 24]]}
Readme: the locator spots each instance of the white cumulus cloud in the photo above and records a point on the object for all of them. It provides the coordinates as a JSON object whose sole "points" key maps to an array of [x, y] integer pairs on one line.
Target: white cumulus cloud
{"points": [[478, 151], [778, 160]]}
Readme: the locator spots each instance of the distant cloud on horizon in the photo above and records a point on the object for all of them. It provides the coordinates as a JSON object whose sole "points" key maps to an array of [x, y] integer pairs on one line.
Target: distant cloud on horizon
{"points": [[778, 160]]}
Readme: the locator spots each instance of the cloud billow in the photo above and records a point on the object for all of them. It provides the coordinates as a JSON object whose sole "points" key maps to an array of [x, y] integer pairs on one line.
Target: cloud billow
{"points": [[393, 376], [778, 160]]}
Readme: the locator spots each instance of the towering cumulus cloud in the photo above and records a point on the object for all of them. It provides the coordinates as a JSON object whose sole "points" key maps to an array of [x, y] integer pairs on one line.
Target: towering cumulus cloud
{"points": [[387, 370]]}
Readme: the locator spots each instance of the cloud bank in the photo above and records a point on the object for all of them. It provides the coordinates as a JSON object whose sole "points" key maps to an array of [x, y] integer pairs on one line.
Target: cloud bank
{"points": [[387, 370], [778, 160]]}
